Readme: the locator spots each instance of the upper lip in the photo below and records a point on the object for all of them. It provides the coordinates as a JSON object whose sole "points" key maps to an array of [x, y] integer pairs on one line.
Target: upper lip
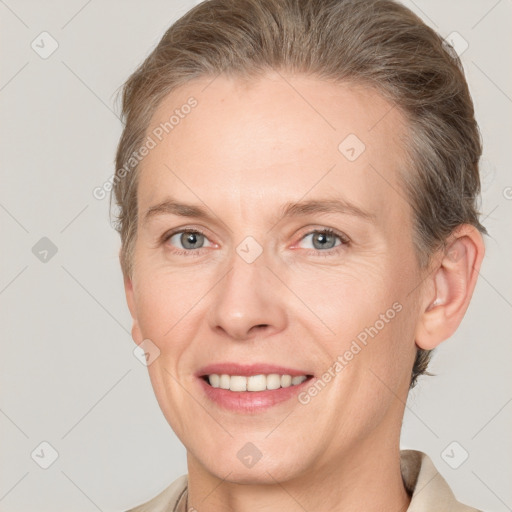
{"points": [[248, 369]]}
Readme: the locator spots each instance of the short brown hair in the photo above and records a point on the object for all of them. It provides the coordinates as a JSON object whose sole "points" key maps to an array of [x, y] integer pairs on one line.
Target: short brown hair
{"points": [[378, 43]]}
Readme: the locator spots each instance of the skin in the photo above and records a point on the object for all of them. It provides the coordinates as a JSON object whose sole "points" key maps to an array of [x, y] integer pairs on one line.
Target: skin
{"points": [[243, 153]]}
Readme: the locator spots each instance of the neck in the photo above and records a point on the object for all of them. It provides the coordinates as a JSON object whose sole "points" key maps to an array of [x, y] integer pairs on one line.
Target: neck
{"points": [[366, 477]]}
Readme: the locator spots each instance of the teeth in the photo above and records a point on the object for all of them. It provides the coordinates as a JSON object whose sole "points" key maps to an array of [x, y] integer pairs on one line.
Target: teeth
{"points": [[214, 380], [254, 382], [298, 380], [286, 381], [237, 383]]}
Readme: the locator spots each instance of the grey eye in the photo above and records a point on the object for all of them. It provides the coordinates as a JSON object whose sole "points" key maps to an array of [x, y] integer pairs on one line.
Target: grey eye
{"points": [[188, 240], [322, 240]]}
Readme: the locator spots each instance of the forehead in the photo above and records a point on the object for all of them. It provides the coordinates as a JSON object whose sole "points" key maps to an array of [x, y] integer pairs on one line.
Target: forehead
{"points": [[276, 139]]}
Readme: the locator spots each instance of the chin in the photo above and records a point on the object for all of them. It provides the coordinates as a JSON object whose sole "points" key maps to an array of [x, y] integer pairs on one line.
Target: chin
{"points": [[249, 466]]}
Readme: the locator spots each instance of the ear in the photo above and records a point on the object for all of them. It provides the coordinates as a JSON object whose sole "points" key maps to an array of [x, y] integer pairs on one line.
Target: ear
{"points": [[132, 306], [450, 287]]}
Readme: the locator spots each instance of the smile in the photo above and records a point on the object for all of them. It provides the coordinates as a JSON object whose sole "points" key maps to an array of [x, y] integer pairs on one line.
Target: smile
{"points": [[251, 388], [259, 382]]}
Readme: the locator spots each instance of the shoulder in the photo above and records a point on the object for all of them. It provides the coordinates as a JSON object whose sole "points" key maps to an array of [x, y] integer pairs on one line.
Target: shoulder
{"points": [[428, 489], [169, 497]]}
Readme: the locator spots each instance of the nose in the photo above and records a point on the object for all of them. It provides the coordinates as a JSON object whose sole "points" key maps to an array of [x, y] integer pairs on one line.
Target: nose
{"points": [[246, 302]]}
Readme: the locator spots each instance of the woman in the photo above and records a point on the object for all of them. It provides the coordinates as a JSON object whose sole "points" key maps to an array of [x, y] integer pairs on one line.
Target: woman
{"points": [[296, 183]]}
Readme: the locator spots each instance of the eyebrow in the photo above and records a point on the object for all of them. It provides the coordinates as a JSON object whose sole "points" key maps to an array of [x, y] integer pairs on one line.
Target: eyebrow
{"points": [[327, 206], [173, 207]]}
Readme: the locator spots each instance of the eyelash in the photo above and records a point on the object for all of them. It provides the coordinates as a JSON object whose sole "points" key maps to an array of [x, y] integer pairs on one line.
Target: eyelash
{"points": [[328, 252], [314, 252], [184, 252]]}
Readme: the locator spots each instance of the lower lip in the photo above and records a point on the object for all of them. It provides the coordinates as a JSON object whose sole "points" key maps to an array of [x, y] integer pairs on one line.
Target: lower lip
{"points": [[251, 401]]}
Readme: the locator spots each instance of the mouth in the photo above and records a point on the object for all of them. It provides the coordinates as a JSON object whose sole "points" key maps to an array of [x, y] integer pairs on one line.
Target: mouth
{"points": [[254, 383], [251, 388]]}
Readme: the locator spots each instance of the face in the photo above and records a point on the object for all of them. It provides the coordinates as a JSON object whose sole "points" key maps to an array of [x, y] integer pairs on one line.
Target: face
{"points": [[275, 245]]}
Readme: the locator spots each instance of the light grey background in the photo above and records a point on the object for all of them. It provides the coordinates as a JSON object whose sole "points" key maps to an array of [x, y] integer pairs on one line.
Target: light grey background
{"points": [[68, 375]]}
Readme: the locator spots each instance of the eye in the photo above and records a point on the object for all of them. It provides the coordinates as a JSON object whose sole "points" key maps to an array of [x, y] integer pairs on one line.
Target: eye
{"points": [[189, 239], [323, 239]]}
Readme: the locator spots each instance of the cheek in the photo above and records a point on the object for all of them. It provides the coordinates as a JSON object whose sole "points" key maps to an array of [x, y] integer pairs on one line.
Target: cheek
{"points": [[167, 302], [345, 299], [169, 305], [370, 321]]}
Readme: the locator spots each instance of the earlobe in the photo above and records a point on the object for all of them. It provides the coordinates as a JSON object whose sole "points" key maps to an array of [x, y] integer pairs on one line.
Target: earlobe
{"points": [[452, 284]]}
